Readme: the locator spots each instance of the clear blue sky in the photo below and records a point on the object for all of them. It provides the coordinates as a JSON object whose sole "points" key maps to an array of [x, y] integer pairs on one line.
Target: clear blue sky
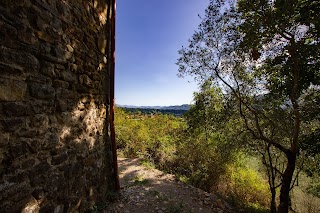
{"points": [[149, 34]]}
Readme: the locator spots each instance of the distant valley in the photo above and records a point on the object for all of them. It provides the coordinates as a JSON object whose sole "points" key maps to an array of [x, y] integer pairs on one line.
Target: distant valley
{"points": [[177, 110]]}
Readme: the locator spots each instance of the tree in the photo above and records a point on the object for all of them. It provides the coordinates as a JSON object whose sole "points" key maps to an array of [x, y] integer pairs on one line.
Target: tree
{"points": [[261, 51], [206, 113], [206, 149]]}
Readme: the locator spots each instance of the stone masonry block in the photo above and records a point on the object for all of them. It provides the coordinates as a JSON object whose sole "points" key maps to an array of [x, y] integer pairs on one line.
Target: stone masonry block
{"points": [[17, 108], [42, 91], [23, 59], [12, 90]]}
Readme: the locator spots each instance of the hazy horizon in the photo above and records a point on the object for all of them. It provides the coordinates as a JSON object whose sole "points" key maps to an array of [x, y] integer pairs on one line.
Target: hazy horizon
{"points": [[151, 105]]}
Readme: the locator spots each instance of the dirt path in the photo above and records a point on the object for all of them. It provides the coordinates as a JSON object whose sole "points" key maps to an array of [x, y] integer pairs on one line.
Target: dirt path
{"points": [[149, 190]]}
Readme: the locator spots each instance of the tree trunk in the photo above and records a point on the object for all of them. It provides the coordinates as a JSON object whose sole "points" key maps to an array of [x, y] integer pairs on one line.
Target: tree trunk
{"points": [[292, 154], [273, 207], [286, 183]]}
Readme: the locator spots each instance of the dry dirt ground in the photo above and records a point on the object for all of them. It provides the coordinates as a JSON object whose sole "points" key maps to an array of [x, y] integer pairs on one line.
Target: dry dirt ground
{"points": [[146, 190]]}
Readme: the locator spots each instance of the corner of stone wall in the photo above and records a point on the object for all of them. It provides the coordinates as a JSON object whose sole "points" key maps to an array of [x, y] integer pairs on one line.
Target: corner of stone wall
{"points": [[54, 105]]}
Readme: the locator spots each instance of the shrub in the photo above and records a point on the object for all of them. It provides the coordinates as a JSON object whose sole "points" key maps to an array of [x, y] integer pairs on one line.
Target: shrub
{"points": [[152, 137], [244, 185]]}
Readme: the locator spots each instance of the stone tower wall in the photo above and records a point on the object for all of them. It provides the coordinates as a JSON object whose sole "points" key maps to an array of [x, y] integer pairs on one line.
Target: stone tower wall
{"points": [[54, 105]]}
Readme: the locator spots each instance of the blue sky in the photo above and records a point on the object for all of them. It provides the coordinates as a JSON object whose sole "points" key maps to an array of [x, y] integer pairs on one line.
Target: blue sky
{"points": [[149, 34]]}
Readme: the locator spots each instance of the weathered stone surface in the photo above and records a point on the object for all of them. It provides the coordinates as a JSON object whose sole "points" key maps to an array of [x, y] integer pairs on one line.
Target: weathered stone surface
{"points": [[38, 194], [8, 31], [60, 84], [84, 79], [39, 78], [14, 189], [17, 108], [42, 91], [13, 124], [39, 107], [49, 207], [70, 48], [12, 90], [31, 206], [19, 147], [10, 69], [42, 168], [52, 140], [66, 94], [53, 87], [23, 59], [59, 159], [28, 163], [19, 177], [73, 170], [48, 68], [43, 36], [61, 106], [28, 37], [69, 76], [81, 89], [5, 187], [40, 121], [27, 133]]}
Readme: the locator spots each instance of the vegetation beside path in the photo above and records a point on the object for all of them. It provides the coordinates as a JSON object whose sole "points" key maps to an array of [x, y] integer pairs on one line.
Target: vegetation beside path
{"points": [[209, 157]]}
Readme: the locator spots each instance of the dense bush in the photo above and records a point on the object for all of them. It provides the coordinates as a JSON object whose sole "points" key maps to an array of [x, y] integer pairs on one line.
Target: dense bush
{"points": [[153, 136], [243, 184], [200, 161]]}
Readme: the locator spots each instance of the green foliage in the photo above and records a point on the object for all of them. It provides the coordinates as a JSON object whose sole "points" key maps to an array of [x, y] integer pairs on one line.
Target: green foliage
{"points": [[314, 189], [200, 159], [265, 56], [290, 26], [199, 148], [206, 147], [147, 164], [139, 180], [258, 66], [311, 145], [245, 184], [152, 137], [175, 112]]}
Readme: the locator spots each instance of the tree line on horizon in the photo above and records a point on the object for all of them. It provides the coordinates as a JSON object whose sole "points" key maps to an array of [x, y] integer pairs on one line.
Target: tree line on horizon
{"points": [[175, 112]]}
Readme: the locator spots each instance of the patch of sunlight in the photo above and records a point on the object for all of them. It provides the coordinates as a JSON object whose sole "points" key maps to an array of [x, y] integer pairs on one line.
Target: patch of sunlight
{"points": [[103, 15], [89, 118], [31, 206], [65, 132]]}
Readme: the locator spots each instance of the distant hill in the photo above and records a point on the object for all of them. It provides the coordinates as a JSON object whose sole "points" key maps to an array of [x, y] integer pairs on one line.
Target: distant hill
{"points": [[175, 107], [176, 110]]}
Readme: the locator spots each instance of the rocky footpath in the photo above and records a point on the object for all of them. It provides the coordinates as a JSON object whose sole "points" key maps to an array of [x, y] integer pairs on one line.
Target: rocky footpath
{"points": [[150, 190]]}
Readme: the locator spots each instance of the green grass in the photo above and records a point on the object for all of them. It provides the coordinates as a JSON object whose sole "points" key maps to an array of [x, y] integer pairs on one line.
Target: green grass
{"points": [[140, 180], [147, 164]]}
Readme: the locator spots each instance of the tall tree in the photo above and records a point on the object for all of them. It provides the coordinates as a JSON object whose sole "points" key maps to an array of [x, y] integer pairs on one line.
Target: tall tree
{"points": [[206, 147], [266, 54]]}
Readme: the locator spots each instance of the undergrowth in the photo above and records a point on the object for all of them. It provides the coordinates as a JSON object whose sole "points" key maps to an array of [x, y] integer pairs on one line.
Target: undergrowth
{"points": [[207, 161]]}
